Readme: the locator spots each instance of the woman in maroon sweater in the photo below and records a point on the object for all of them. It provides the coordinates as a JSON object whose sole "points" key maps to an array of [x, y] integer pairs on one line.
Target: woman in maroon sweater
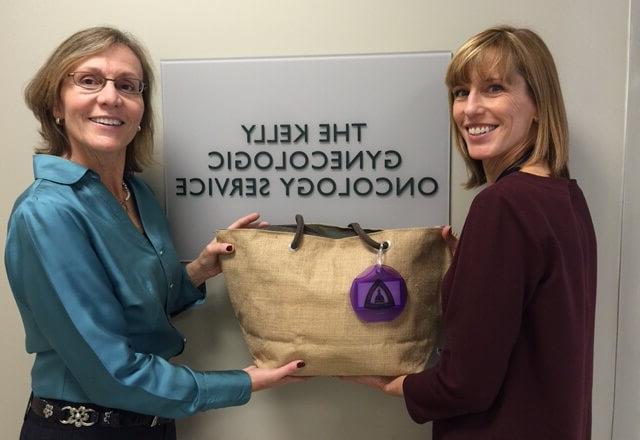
{"points": [[519, 297]]}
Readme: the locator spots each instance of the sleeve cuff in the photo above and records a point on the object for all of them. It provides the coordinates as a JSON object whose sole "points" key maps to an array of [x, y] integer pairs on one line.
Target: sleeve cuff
{"points": [[413, 408], [190, 295], [225, 388]]}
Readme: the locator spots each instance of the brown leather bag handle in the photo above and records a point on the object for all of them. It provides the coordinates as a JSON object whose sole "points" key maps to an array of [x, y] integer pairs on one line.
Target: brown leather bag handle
{"points": [[370, 241], [297, 238]]}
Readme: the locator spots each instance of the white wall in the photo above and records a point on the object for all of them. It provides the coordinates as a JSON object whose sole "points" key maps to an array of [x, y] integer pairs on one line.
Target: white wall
{"points": [[588, 39], [627, 390]]}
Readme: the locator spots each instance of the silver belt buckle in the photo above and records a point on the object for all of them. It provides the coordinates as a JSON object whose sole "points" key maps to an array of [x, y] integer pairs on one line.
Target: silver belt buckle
{"points": [[78, 416]]}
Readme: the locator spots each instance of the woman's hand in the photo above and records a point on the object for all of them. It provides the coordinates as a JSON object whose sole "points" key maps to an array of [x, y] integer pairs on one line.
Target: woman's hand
{"points": [[263, 378], [207, 264], [450, 238], [390, 385]]}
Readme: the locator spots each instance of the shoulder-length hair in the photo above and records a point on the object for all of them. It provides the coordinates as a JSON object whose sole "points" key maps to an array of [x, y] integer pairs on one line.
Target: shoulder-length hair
{"points": [[42, 94], [504, 50]]}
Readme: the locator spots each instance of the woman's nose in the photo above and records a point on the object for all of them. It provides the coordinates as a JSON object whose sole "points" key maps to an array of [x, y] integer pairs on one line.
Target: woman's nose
{"points": [[474, 103], [109, 95]]}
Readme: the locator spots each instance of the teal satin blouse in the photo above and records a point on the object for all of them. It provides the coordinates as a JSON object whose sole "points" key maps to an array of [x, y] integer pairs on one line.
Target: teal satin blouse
{"points": [[95, 297]]}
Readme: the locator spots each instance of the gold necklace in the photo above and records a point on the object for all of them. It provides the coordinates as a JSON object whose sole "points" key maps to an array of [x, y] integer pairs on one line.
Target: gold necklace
{"points": [[127, 196]]}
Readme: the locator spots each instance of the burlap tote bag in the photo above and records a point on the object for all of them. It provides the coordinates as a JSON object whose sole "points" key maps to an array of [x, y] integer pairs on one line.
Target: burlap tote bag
{"points": [[291, 295]]}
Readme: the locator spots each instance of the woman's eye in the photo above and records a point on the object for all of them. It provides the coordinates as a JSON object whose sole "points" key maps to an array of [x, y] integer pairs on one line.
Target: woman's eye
{"points": [[126, 86], [89, 80], [495, 88], [460, 93]]}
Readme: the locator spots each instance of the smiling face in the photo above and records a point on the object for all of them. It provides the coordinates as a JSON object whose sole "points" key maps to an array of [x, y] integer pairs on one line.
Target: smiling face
{"points": [[101, 123], [495, 116]]}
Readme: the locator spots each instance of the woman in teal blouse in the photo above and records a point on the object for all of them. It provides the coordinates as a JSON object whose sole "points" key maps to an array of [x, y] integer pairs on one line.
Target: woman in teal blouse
{"points": [[91, 263]]}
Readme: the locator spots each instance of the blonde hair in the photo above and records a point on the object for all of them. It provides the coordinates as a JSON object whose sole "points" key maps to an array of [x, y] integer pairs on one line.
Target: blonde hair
{"points": [[42, 94], [505, 50]]}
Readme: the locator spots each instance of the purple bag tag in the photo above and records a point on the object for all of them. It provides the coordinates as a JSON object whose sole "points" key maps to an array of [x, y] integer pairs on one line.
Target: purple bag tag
{"points": [[379, 293]]}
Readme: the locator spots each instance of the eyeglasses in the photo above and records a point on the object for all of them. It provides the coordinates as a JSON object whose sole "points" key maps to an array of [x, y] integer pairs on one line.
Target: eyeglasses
{"points": [[95, 83]]}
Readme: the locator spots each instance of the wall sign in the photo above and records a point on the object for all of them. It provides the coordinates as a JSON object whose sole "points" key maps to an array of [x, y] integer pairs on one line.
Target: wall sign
{"points": [[336, 138]]}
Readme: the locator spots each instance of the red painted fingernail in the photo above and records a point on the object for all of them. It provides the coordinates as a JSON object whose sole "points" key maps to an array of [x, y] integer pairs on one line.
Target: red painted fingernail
{"points": [[229, 248], [300, 364]]}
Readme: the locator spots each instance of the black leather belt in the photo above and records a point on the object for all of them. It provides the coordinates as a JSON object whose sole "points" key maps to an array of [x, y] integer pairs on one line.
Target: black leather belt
{"points": [[81, 415]]}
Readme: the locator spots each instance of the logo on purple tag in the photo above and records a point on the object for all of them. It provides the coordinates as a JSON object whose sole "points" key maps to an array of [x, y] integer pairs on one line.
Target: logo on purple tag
{"points": [[378, 294]]}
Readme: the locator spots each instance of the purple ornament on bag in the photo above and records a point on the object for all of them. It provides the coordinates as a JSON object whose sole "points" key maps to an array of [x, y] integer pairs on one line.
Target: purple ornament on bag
{"points": [[378, 294]]}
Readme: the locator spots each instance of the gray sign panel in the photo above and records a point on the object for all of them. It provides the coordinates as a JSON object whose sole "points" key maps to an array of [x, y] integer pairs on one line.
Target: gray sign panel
{"points": [[336, 138]]}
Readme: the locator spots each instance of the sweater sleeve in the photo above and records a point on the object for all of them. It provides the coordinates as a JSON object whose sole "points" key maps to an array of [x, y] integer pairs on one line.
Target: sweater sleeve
{"points": [[496, 265]]}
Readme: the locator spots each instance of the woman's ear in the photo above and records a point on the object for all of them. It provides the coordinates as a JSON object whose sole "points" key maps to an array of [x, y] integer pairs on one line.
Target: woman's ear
{"points": [[58, 110], [58, 114]]}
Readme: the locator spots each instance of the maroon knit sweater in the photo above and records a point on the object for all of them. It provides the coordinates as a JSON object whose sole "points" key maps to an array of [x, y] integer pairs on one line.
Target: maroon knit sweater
{"points": [[518, 302]]}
